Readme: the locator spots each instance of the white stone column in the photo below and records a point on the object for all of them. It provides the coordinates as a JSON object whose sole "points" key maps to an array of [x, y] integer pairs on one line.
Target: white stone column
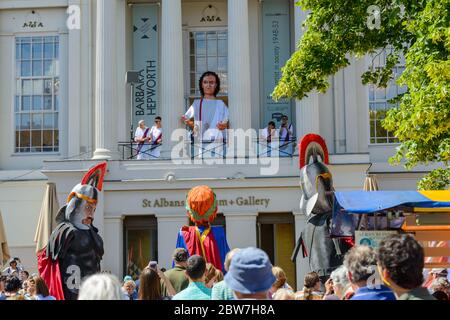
{"points": [[307, 109], [168, 227], [172, 79], [74, 88], [113, 243], [105, 61], [301, 264], [239, 85], [241, 229]]}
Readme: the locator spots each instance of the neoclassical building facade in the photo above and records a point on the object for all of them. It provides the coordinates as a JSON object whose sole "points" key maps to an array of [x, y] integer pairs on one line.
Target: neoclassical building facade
{"points": [[65, 104]]}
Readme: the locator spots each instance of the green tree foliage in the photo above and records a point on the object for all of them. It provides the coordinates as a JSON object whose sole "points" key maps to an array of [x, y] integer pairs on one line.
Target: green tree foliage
{"points": [[419, 29]]}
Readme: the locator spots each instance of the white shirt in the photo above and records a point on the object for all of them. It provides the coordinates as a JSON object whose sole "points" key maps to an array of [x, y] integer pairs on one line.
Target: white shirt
{"points": [[213, 112], [155, 134], [140, 133], [265, 134], [284, 132]]}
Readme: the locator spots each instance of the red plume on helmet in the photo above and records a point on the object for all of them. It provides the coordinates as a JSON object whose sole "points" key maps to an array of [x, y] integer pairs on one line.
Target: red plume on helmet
{"points": [[95, 176], [312, 145]]}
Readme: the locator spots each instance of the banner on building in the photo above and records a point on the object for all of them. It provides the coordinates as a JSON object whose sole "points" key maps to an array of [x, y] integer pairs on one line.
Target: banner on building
{"points": [[145, 61], [276, 51]]}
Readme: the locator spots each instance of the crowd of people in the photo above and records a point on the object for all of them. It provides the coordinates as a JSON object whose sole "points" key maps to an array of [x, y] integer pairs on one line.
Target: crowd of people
{"points": [[392, 272], [17, 284]]}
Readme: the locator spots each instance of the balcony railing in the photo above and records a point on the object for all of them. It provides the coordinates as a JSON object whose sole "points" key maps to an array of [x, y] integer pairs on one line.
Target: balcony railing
{"points": [[203, 150]]}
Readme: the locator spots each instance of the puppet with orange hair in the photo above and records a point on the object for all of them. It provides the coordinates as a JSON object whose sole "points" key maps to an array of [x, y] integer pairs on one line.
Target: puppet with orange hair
{"points": [[202, 238]]}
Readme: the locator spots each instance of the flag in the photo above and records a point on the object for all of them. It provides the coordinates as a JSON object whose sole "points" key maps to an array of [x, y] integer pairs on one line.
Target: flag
{"points": [[140, 261], [132, 269]]}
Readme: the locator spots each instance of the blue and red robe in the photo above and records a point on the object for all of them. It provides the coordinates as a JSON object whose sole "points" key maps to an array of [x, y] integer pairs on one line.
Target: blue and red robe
{"points": [[211, 244]]}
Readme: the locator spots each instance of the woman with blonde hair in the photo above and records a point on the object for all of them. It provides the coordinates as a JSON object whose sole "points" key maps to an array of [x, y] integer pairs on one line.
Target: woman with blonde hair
{"points": [[212, 275], [311, 288], [280, 283]]}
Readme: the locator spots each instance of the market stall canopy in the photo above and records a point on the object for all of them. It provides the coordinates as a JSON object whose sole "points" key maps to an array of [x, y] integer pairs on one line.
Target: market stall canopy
{"points": [[363, 202]]}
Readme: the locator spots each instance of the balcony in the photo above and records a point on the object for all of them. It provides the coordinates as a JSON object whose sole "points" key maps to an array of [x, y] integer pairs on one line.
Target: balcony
{"points": [[258, 148]]}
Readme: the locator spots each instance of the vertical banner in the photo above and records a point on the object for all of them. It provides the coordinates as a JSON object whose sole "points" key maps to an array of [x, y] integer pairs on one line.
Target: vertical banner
{"points": [[145, 61], [276, 51]]}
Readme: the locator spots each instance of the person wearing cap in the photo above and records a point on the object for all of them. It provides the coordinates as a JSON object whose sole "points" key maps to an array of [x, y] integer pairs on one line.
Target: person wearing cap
{"points": [[250, 275], [177, 275], [13, 267], [197, 289], [439, 273]]}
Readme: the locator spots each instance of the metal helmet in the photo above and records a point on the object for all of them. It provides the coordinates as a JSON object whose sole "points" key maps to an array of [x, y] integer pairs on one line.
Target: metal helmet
{"points": [[83, 193], [315, 179]]}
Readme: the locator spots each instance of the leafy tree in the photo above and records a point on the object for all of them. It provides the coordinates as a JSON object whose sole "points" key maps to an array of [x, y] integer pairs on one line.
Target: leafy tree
{"points": [[419, 29]]}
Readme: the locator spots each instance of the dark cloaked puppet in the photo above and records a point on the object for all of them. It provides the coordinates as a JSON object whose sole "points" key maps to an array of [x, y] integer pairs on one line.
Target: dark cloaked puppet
{"points": [[75, 249], [323, 252]]}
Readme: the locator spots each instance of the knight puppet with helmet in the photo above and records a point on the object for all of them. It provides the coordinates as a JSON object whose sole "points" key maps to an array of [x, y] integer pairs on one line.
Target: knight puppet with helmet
{"points": [[75, 248], [323, 252], [203, 238]]}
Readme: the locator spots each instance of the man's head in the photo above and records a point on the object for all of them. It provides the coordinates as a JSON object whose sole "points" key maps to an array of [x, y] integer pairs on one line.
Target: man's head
{"points": [[439, 273], [361, 263], [141, 124], [284, 119], [209, 84], [271, 125], [12, 284], [180, 256], [13, 264], [195, 268], [158, 122], [24, 275], [250, 274], [129, 286], [401, 260]]}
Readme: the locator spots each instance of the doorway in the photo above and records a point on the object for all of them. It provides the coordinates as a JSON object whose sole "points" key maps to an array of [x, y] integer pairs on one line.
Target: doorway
{"points": [[140, 244], [276, 236]]}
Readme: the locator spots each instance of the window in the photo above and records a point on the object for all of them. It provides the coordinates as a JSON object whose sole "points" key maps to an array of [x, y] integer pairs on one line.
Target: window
{"points": [[36, 103], [379, 99], [208, 52]]}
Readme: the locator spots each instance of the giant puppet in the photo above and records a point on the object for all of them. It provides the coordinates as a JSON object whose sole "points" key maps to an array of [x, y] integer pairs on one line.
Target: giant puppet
{"points": [[75, 248], [203, 238], [323, 252]]}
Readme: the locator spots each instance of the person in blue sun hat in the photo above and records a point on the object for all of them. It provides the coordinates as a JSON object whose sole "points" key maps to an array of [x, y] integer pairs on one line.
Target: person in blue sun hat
{"points": [[250, 275]]}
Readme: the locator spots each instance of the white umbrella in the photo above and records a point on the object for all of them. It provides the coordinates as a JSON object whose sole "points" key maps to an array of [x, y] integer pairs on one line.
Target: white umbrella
{"points": [[4, 250], [47, 223]]}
